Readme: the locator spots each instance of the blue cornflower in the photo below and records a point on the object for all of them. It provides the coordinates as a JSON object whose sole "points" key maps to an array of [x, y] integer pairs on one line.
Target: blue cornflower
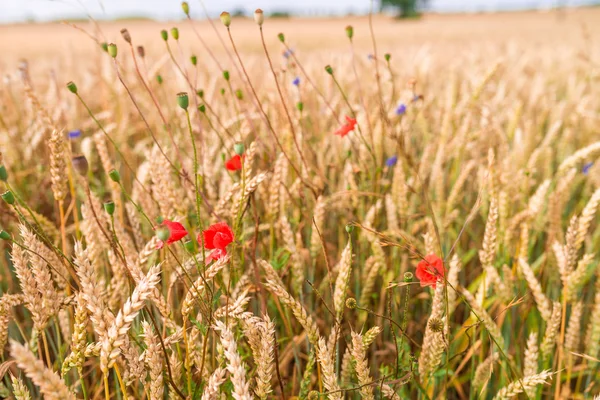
{"points": [[390, 162], [371, 57], [296, 81], [74, 134], [586, 167], [401, 109], [288, 53]]}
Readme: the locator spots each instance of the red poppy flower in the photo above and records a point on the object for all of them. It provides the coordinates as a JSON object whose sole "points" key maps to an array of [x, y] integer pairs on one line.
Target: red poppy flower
{"points": [[176, 232], [217, 237], [234, 163], [430, 270], [347, 127]]}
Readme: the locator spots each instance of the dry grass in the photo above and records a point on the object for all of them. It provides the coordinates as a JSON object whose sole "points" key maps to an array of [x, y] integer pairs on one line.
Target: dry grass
{"points": [[317, 296]]}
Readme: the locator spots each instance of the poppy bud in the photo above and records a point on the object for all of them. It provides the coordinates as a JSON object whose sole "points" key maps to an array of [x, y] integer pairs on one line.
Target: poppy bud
{"points": [[300, 106], [202, 108], [114, 175], [183, 100], [126, 35], [351, 303], [349, 228], [349, 31], [329, 69], [189, 246], [387, 57], [175, 33], [281, 37], [200, 93], [72, 87], [159, 79], [112, 50], [194, 60], [3, 173], [239, 94], [259, 17], [4, 235], [8, 197], [104, 46], [225, 18], [109, 207], [164, 35], [185, 7], [141, 52], [163, 234], [239, 148], [226, 75], [80, 165]]}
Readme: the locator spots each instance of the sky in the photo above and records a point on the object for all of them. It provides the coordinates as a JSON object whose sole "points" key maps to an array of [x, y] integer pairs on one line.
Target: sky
{"points": [[46, 10]]}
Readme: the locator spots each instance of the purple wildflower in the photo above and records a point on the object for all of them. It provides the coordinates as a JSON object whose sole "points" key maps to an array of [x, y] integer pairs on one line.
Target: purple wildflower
{"points": [[371, 57], [390, 162], [296, 81], [401, 109], [586, 167], [74, 134]]}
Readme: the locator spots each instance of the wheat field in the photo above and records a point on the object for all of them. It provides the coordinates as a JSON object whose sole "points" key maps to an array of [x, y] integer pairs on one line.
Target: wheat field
{"points": [[319, 209]]}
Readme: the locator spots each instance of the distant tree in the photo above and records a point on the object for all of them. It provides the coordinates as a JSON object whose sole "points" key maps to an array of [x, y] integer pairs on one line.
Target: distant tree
{"points": [[406, 8]]}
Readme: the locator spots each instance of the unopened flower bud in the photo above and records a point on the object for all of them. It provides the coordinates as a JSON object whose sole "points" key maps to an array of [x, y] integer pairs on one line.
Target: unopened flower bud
{"points": [[112, 50], [226, 75], [80, 165], [239, 94], [4, 235], [164, 35], [329, 69], [239, 148], [225, 18], [349, 228], [126, 35], [114, 175], [185, 7], [349, 32], [175, 33], [387, 57], [3, 173], [159, 79], [8, 197], [183, 100], [109, 207], [200, 93], [104, 46], [300, 106], [141, 52], [194, 60], [281, 37], [202, 108], [72, 87], [259, 16], [189, 246]]}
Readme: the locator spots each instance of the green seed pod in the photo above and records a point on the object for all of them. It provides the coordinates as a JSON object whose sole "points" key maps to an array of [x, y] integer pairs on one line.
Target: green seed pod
{"points": [[175, 33], [114, 175], [3, 173], [202, 108], [189, 246], [239, 94], [194, 60], [226, 75], [200, 93], [104, 46], [72, 87], [4, 235], [183, 100], [163, 234], [222, 91], [329, 69], [225, 18], [408, 276], [112, 50], [349, 32], [159, 79], [281, 37], [351, 303], [109, 207], [185, 7], [8, 197], [164, 35], [387, 57], [349, 228], [300, 106], [239, 148]]}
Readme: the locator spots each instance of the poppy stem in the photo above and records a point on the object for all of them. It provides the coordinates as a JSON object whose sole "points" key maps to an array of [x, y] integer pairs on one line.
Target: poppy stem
{"points": [[189, 123]]}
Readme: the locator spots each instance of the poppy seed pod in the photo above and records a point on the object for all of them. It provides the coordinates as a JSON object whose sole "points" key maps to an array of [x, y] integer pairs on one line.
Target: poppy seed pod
{"points": [[163, 234], [239, 94], [104, 46], [239, 148], [3, 173], [194, 60], [185, 7], [114, 175], [141, 52], [300, 106], [112, 50], [126, 35], [164, 35], [351, 303], [226, 75], [109, 207], [189, 246], [259, 16], [225, 18], [159, 79], [72, 87], [8, 197], [387, 57], [202, 108], [281, 37], [175, 33], [349, 32], [4, 235], [183, 100], [80, 165], [329, 69]]}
